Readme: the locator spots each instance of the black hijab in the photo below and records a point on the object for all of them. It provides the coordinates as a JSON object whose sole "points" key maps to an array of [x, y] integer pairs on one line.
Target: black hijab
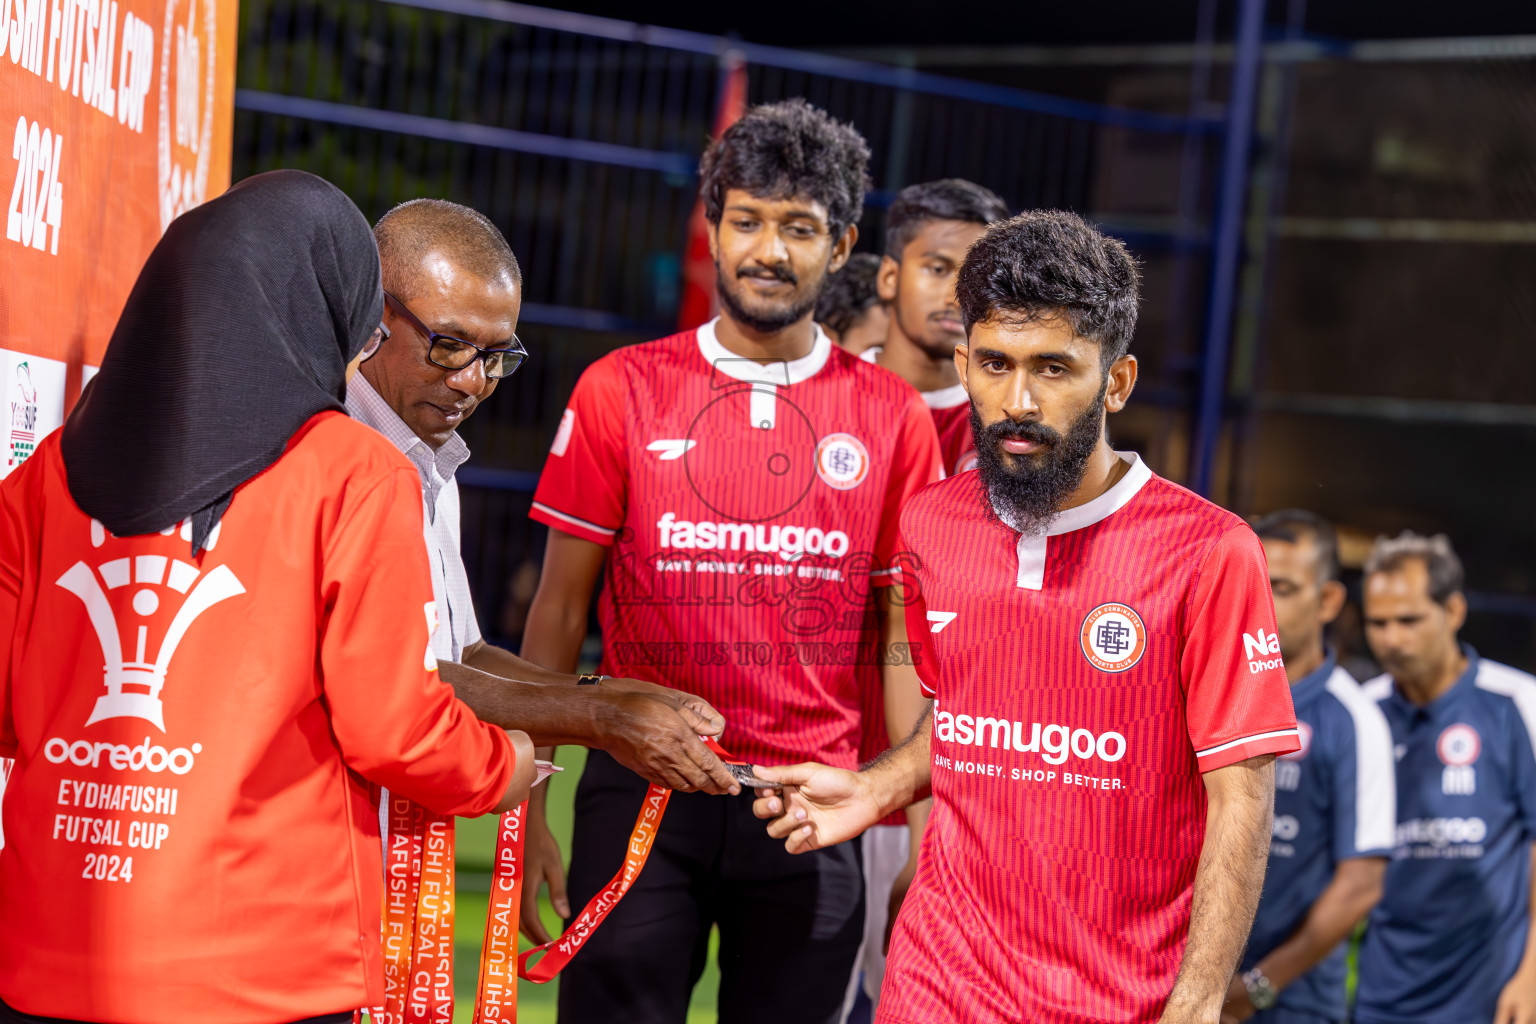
{"points": [[238, 330]]}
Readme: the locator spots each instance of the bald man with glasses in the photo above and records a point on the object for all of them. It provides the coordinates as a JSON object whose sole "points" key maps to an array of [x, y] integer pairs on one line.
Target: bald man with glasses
{"points": [[453, 293]]}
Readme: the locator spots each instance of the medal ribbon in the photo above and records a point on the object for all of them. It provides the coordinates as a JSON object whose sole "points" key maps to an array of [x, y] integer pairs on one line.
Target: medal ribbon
{"points": [[496, 992], [418, 917]]}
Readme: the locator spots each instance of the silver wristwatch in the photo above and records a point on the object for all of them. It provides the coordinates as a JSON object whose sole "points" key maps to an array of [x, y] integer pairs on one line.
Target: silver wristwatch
{"points": [[1260, 992]]}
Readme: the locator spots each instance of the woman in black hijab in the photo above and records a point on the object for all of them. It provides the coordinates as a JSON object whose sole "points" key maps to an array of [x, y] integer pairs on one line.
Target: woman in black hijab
{"points": [[220, 616], [238, 330]]}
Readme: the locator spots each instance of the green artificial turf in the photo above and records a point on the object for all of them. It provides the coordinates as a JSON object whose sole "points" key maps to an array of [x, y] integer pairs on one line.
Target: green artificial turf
{"points": [[476, 844]]}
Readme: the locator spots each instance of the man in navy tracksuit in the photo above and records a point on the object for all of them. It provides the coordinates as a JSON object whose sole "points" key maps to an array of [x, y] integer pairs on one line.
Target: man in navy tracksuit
{"points": [[1335, 821], [1449, 942]]}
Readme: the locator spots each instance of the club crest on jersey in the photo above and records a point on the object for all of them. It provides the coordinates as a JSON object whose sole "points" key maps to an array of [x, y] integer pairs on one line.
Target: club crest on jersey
{"points": [[842, 461], [1459, 746], [1113, 637]]}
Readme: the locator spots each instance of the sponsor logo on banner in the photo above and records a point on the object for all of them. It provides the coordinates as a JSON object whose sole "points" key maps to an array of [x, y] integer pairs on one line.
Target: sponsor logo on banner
{"points": [[23, 417], [188, 78], [34, 401], [842, 461], [1458, 748], [1262, 652], [1113, 637]]}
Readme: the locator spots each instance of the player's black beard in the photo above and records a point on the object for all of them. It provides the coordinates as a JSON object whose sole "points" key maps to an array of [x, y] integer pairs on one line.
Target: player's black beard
{"points": [[1027, 493], [768, 322]]}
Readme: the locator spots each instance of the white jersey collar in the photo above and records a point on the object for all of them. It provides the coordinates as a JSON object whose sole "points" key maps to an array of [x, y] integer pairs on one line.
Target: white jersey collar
{"points": [[1106, 504], [946, 398], [1031, 547], [780, 372]]}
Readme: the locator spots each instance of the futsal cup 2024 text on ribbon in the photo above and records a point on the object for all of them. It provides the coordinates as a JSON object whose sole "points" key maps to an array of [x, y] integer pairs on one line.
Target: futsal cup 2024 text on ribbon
{"points": [[418, 910]]}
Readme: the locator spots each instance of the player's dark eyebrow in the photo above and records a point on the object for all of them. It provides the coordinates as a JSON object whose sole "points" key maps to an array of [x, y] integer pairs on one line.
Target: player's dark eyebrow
{"points": [[755, 211], [991, 353], [1054, 357]]}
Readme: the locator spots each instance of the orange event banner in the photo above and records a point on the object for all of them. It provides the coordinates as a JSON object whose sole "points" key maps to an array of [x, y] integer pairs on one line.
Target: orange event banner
{"points": [[115, 117]]}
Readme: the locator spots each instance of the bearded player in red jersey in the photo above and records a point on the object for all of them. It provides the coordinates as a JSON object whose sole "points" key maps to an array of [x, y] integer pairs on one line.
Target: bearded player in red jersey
{"points": [[1108, 695], [928, 229], [740, 485]]}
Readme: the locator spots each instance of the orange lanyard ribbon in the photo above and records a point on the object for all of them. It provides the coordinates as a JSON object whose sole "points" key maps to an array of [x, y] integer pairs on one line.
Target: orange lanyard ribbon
{"points": [[496, 993]]}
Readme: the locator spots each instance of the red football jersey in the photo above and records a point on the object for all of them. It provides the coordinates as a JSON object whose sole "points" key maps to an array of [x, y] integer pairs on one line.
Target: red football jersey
{"points": [[749, 509], [1084, 679], [189, 836]]}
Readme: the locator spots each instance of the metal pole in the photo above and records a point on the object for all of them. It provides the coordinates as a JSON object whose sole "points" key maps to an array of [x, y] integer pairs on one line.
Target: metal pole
{"points": [[1226, 242]]}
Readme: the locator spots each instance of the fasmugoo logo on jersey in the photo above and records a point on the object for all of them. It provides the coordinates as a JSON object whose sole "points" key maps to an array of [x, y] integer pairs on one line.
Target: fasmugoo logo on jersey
{"points": [[1458, 748], [842, 461], [141, 590], [1113, 637], [788, 542], [1054, 743]]}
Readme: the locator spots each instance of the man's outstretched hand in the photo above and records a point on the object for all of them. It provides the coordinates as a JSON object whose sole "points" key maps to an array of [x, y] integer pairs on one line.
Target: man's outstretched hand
{"points": [[696, 711], [817, 807], [658, 739]]}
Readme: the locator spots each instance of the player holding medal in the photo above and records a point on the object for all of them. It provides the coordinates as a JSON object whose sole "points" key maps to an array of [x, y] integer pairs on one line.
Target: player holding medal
{"points": [[739, 485], [1100, 750]]}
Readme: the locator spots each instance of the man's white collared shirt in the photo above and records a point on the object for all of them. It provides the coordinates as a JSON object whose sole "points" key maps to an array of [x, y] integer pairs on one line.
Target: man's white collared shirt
{"points": [[457, 627]]}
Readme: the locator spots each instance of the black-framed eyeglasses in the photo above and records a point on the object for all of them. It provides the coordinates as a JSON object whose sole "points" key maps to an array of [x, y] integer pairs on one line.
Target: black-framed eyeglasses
{"points": [[455, 353]]}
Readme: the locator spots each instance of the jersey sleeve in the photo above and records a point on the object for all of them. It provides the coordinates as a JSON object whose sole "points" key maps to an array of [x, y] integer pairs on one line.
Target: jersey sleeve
{"points": [[906, 575], [917, 462], [1235, 706], [1522, 769], [1364, 776], [584, 488], [396, 722]]}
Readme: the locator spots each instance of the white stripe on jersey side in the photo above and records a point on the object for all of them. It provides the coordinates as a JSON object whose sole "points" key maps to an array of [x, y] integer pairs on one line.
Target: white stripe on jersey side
{"points": [[1375, 767], [1514, 684], [1378, 689], [1246, 739], [573, 520]]}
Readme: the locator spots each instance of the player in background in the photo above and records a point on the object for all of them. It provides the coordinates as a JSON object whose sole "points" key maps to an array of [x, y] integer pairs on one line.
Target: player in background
{"points": [[927, 232], [1335, 809], [740, 485], [1100, 750], [850, 309], [1450, 940], [928, 229]]}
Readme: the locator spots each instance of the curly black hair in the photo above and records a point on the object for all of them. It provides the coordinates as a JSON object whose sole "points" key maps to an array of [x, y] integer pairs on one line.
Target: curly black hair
{"points": [[945, 199], [850, 292], [784, 149], [1048, 263]]}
